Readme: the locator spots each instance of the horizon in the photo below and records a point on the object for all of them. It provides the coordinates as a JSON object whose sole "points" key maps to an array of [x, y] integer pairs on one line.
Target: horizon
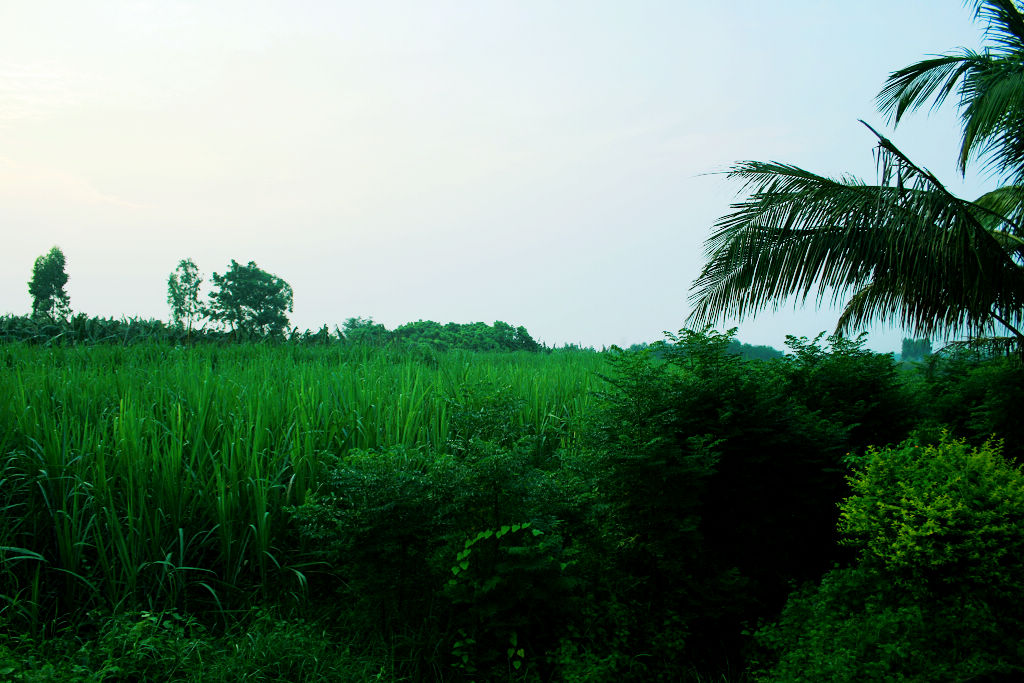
{"points": [[556, 167]]}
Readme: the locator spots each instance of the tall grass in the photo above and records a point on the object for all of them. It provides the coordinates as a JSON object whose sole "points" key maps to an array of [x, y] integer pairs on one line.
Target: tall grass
{"points": [[156, 476]]}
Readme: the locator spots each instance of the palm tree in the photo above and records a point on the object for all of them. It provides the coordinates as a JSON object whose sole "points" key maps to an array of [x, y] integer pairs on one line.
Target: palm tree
{"points": [[905, 249], [990, 86]]}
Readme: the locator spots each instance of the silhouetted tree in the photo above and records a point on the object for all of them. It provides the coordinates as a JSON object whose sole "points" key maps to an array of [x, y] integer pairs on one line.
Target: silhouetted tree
{"points": [[250, 300], [47, 286]]}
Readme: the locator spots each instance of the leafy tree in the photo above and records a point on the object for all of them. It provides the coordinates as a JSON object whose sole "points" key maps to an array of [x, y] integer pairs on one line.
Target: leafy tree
{"points": [[905, 249], [364, 331], [47, 286], [752, 352], [183, 293], [471, 336], [722, 476], [250, 300], [523, 340]]}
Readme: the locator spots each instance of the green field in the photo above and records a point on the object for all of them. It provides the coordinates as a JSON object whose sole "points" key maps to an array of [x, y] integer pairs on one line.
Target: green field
{"points": [[156, 477], [304, 511]]}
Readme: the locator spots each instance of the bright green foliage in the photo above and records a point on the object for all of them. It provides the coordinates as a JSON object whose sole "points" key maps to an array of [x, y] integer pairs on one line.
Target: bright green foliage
{"points": [[940, 517], [49, 299], [441, 514], [364, 331], [183, 293], [471, 336], [159, 474], [937, 591], [250, 300]]}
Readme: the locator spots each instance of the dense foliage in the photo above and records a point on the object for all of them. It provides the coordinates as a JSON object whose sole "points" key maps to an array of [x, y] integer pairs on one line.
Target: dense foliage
{"points": [[183, 294], [251, 300], [82, 329], [937, 590], [46, 287], [353, 512]]}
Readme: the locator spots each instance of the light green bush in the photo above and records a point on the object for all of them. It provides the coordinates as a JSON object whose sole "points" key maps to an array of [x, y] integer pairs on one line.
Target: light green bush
{"points": [[938, 588]]}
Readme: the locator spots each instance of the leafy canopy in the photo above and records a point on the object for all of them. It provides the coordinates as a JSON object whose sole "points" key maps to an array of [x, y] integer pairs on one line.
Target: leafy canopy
{"points": [[250, 300], [183, 293], [49, 299]]}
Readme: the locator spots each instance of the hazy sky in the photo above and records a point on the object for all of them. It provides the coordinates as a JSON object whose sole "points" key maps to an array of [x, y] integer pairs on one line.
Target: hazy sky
{"points": [[541, 162]]}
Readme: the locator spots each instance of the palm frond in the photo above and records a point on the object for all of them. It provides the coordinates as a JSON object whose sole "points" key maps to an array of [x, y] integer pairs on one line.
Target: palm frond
{"points": [[1004, 23], [906, 248], [1004, 209], [992, 113], [989, 88], [911, 87]]}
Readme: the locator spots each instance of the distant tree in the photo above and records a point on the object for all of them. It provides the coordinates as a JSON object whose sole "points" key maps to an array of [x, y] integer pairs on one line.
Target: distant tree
{"points": [[364, 331], [915, 349], [250, 300], [183, 293], [524, 341], [751, 352], [476, 336], [47, 286]]}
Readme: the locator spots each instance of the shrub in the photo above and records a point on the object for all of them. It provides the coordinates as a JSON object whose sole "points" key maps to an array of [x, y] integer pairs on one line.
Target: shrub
{"points": [[937, 590]]}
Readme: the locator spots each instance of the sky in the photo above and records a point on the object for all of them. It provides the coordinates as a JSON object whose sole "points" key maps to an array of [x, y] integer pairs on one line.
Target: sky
{"points": [[556, 165]]}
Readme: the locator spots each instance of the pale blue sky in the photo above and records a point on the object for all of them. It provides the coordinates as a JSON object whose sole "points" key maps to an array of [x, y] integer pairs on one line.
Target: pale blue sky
{"points": [[543, 163]]}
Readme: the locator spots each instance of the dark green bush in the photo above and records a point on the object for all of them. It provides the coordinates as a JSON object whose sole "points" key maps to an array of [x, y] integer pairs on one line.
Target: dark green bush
{"points": [[389, 533], [975, 397], [723, 477]]}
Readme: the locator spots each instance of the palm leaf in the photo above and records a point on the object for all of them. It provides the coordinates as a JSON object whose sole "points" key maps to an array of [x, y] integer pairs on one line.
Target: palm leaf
{"points": [[989, 85], [1004, 23], [905, 250], [1005, 210]]}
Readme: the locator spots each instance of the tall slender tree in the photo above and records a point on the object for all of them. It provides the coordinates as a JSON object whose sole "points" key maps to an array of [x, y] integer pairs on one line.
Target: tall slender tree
{"points": [[905, 249], [49, 298], [183, 293]]}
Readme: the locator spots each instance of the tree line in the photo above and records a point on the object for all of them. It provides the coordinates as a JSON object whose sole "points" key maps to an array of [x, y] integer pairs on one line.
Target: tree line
{"points": [[246, 302]]}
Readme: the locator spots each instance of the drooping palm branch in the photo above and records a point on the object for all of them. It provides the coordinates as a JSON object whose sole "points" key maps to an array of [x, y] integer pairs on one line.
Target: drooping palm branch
{"points": [[989, 86], [905, 250]]}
